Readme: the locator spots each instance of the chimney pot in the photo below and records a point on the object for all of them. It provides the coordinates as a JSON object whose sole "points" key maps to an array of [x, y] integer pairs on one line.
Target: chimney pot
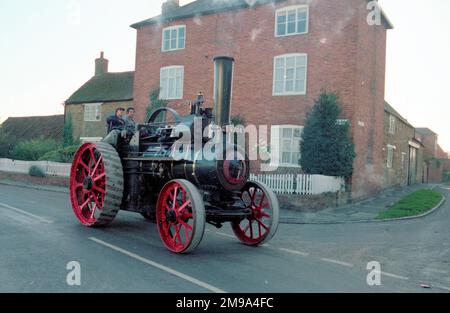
{"points": [[169, 6], [101, 65]]}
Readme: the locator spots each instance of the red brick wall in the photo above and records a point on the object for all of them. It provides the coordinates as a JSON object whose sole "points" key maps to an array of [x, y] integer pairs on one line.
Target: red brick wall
{"points": [[345, 55]]}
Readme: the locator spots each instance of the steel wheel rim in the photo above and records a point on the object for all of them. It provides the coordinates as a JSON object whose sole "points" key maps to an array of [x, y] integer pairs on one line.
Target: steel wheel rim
{"points": [[88, 184], [176, 217], [256, 228]]}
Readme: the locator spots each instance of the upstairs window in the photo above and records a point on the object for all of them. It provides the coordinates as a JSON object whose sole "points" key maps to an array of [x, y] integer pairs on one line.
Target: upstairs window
{"points": [[292, 21], [392, 124], [93, 112], [289, 77], [174, 38], [171, 80]]}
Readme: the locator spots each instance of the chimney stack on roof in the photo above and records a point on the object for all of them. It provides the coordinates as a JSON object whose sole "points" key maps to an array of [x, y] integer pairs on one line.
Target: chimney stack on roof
{"points": [[169, 6], [101, 65]]}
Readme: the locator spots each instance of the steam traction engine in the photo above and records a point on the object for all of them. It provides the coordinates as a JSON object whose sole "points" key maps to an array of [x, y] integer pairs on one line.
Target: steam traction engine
{"points": [[144, 173]]}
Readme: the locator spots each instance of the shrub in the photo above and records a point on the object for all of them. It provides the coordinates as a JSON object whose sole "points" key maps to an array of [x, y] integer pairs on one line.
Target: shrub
{"points": [[36, 171], [33, 150], [61, 155], [7, 142], [156, 103], [67, 137], [327, 148]]}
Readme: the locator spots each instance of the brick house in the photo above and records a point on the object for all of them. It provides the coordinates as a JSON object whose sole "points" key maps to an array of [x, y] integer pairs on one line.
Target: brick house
{"points": [[98, 98], [286, 52], [435, 157], [403, 152]]}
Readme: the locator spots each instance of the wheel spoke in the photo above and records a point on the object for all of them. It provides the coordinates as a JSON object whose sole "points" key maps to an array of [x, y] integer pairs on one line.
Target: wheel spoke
{"points": [[187, 226], [177, 235], [175, 198], [261, 204], [251, 228], [96, 201], [84, 204], [97, 165], [99, 190], [92, 155], [96, 179], [94, 209], [184, 206], [84, 165], [261, 223], [264, 214]]}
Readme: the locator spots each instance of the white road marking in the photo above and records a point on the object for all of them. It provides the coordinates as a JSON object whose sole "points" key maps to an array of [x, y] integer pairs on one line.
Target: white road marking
{"points": [[441, 287], [337, 262], [225, 235], [394, 276], [39, 218], [160, 266], [294, 252]]}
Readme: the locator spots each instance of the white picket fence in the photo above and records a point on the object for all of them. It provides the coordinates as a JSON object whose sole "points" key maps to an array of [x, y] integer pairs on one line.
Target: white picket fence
{"points": [[300, 184], [23, 167]]}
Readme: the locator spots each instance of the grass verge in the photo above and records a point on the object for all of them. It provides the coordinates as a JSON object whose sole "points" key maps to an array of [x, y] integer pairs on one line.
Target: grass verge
{"points": [[414, 204]]}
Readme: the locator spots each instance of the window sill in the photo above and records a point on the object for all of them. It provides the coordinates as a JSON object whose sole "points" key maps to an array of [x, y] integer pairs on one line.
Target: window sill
{"points": [[290, 35], [172, 50], [288, 94]]}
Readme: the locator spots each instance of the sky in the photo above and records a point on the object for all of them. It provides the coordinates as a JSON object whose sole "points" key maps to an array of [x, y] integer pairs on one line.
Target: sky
{"points": [[48, 47]]}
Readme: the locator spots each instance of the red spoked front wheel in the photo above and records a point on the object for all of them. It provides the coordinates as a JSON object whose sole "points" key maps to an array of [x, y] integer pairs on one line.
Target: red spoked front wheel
{"points": [[180, 215], [259, 227], [96, 184]]}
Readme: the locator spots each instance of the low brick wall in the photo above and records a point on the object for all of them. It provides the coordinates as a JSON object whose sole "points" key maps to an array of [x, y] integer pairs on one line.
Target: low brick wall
{"points": [[315, 202]]}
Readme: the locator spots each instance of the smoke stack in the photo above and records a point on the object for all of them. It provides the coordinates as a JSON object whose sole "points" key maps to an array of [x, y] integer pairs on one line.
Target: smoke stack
{"points": [[223, 84], [101, 65], [169, 6]]}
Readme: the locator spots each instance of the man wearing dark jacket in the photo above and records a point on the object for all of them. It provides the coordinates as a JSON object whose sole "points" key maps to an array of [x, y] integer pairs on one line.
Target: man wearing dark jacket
{"points": [[116, 126], [116, 121]]}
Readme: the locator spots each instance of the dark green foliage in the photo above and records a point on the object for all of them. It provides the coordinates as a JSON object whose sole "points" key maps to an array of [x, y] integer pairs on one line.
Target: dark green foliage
{"points": [[36, 171], [238, 120], [327, 148], [67, 138], [7, 142], [33, 150], [156, 103], [61, 155]]}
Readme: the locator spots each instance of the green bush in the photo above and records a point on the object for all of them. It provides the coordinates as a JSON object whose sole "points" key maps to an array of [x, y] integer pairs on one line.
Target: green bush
{"points": [[36, 171], [61, 155], [7, 142], [33, 150], [327, 148], [156, 103], [67, 137]]}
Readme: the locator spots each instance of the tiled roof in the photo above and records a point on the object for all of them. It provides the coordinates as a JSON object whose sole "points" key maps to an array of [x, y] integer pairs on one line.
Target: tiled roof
{"points": [[107, 87], [390, 109], [207, 7], [25, 128]]}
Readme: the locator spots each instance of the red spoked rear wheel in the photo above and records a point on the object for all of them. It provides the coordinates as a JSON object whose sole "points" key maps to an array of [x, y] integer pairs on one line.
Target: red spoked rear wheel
{"points": [[96, 184], [259, 227], [180, 215]]}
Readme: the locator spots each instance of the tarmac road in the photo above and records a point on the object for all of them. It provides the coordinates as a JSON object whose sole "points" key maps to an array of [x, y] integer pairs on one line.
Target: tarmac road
{"points": [[39, 236]]}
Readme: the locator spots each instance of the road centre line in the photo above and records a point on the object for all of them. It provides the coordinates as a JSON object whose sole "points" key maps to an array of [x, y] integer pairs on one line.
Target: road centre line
{"points": [[294, 252], [159, 266], [39, 218], [337, 262], [394, 276]]}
